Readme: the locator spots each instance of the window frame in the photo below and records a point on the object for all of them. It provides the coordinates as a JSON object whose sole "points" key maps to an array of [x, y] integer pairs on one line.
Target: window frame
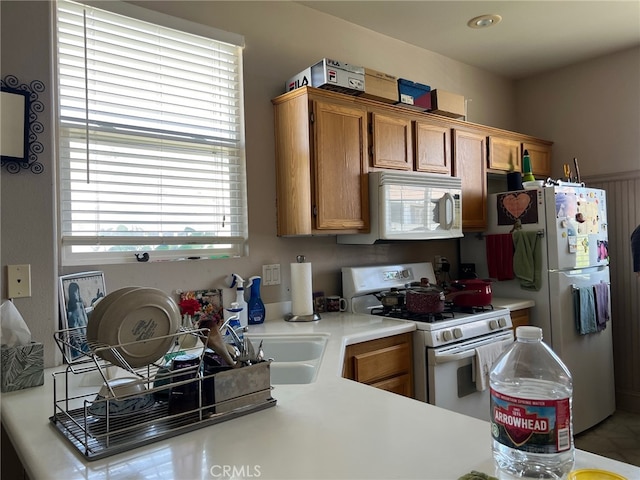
{"points": [[238, 244]]}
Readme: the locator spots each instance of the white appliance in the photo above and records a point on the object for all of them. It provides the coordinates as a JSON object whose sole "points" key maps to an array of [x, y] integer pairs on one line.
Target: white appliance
{"points": [[444, 344], [571, 222], [411, 206]]}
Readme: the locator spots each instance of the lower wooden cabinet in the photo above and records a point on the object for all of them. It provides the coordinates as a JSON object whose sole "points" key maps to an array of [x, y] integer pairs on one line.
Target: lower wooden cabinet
{"points": [[385, 363], [519, 318]]}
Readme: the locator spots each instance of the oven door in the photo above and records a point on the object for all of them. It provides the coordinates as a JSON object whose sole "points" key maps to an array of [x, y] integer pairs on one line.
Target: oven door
{"points": [[451, 376]]}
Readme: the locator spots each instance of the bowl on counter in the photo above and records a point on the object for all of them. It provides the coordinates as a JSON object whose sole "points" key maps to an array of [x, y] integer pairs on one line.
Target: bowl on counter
{"points": [[533, 184], [123, 396], [593, 474]]}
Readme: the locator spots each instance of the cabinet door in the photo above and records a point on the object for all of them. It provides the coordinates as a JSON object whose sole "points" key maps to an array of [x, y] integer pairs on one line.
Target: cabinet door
{"points": [[391, 141], [469, 163], [540, 155], [433, 148], [520, 318], [341, 193], [504, 154], [380, 364], [400, 385]]}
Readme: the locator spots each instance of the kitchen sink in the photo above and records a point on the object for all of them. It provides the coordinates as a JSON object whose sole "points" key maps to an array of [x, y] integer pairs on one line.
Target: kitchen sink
{"points": [[296, 358]]}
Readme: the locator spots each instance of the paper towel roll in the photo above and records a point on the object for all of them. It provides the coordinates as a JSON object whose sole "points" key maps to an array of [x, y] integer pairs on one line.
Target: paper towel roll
{"points": [[301, 289]]}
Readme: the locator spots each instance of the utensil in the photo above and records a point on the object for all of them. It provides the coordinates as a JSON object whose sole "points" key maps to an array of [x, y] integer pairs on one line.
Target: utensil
{"points": [[215, 343], [567, 172], [260, 355], [575, 165]]}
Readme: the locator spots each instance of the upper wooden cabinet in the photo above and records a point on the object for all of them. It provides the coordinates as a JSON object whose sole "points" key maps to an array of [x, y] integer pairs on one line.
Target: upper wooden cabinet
{"points": [[504, 154], [469, 163], [321, 163], [432, 147], [540, 156], [391, 141], [326, 142]]}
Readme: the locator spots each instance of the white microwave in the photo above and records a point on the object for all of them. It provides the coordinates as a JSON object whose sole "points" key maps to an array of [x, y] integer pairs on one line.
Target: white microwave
{"points": [[411, 206]]}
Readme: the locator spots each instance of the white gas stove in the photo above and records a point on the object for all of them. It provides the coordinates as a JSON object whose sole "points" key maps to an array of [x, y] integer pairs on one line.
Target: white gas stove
{"points": [[445, 344], [360, 284]]}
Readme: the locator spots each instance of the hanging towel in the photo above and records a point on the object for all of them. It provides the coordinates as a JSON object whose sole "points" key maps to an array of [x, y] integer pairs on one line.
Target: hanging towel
{"points": [[601, 292], [584, 310], [527, 260], [486, 355], [500, 256]]}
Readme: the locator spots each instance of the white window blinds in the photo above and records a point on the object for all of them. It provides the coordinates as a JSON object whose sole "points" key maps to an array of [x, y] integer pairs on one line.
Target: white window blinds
{"points": [[151, 140]]}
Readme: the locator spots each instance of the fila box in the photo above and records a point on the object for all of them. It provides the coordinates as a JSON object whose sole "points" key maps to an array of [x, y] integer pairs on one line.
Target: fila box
{"points": [[330, 75]]}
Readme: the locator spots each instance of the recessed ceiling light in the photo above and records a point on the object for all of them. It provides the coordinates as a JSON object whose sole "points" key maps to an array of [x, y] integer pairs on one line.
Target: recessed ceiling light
{"points": [[484, 21]]}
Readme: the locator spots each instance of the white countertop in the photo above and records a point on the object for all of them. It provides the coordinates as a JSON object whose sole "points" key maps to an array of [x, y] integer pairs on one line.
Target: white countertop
{"points": [[512, 304], [330, 429]]}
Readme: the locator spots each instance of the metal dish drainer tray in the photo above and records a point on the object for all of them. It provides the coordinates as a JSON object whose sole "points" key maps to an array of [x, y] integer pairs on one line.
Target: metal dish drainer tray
{"points": [[86, 421]]}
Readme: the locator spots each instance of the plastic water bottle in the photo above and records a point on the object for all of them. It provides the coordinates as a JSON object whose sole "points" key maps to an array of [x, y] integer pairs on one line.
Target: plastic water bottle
{"points": [[531, 419]]}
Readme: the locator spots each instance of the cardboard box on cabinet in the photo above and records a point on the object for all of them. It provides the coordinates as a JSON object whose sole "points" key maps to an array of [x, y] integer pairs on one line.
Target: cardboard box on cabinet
{"points": [[447, 103], [22, 366], [380, 86], [330, 75], [414, 95]]}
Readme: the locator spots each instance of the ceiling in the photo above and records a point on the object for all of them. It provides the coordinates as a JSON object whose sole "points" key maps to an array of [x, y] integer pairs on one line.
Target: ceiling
{"points": [[533, 36]]}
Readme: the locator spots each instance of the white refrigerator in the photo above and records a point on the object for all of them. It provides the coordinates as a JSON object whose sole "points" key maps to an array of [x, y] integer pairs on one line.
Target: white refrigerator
{"points": [[571, 226]]}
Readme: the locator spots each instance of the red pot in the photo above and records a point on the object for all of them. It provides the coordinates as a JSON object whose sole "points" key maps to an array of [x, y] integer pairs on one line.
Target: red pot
{"points": [[474, 292], [425, 299]]}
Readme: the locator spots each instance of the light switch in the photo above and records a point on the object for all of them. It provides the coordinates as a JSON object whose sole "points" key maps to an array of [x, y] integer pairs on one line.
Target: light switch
{"points": [[271, 274]]}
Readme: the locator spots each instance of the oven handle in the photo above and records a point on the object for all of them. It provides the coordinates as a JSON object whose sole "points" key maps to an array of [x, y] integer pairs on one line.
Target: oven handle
{"points": [[467, 353]]}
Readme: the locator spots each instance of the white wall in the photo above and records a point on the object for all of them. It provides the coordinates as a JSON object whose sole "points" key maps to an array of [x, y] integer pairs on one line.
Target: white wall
{"points": [[590, 110], [282, 38]]}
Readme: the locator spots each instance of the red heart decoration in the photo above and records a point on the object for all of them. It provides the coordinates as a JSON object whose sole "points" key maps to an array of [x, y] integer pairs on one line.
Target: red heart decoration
{"points": [[516, 204]]}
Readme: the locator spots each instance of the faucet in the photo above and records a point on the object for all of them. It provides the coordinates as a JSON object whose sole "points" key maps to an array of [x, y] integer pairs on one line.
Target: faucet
{"points": [[236, 338]]}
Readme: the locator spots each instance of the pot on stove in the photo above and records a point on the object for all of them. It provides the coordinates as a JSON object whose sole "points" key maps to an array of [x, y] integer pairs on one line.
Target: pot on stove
{"points": [[425, 299], [472, 292], [393, 298]]}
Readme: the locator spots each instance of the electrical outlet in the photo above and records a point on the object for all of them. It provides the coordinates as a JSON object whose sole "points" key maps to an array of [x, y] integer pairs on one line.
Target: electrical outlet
{"points": [[271, 274], [18, 281]]}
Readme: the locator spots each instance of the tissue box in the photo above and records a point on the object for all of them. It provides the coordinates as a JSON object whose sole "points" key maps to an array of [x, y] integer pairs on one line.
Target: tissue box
{"points": [[21, 366]]}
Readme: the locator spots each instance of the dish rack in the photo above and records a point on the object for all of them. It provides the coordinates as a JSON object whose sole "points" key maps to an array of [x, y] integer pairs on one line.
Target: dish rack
{"points": [[169, 402]]}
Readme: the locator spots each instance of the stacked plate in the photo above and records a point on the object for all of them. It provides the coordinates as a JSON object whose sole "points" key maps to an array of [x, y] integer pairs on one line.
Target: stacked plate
{"points": [[137, 322]]}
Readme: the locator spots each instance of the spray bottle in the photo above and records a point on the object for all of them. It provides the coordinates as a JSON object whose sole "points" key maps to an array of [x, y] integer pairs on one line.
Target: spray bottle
{"points": [[256, 306], [238, 282]]}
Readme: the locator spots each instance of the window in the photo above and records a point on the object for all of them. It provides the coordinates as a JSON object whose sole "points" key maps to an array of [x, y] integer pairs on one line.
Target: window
{"points": [[151, 138]]}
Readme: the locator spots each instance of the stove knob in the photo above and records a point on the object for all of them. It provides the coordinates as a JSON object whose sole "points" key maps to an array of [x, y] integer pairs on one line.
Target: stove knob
{"points": [[457, 332], [502, 322], [493, 324], [446, 335]]}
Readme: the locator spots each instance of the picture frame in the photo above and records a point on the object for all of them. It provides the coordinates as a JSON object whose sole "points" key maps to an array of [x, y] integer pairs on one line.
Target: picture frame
{"points": [[78, 294]]}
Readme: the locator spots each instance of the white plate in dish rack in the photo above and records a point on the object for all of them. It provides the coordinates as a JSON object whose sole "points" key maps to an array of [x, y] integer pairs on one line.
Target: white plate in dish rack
{"points": [[93, 324], [134, 321]]}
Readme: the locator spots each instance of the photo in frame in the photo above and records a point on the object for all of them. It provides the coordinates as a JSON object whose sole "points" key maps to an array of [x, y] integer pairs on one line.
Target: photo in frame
{"points": [[78, 294]]}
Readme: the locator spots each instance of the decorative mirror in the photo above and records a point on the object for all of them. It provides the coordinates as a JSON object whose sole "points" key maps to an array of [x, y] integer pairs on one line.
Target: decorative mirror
{"points": [[19, 125]]}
